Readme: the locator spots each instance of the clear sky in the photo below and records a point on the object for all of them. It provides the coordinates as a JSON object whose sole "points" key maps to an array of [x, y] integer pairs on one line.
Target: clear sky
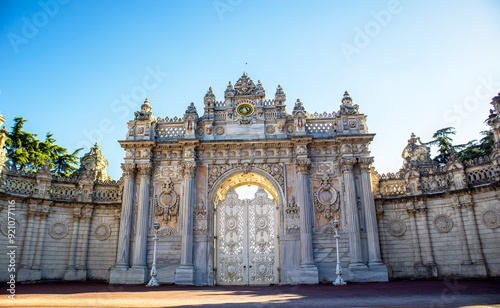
{"points": [[79, 69]]}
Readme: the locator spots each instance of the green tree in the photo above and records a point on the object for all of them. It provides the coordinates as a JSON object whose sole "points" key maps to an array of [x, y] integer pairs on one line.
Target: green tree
{"points": [[27, 153], [444, 143]]}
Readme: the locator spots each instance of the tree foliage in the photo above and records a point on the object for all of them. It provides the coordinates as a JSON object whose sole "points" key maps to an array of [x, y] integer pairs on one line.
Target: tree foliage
{"points": [[473, 149], [26, 153]]}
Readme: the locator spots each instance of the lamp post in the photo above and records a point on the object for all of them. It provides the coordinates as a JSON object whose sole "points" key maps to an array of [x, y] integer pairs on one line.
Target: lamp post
{"points": [[339, 281], [153, 282]]}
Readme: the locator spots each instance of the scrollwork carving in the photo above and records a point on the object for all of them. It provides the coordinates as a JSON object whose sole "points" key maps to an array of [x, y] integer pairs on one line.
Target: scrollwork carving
{"points": [[326, 199], [167, 202]]}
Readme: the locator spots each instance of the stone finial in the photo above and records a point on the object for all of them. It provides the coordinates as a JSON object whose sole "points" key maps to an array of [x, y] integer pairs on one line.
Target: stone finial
{"points": [[280, 94], [191, 112], [94, 165], [416, 152], [145, 113], [347, 106], [229, 90], [259, 89], [496, 103]]}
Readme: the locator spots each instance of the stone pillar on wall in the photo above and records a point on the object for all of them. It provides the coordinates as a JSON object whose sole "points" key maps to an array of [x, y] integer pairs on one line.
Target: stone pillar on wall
{"points": [[37, 257], [184, 275], [374, 257], [352, 216], [29, 243], [139, 266], [119, 272], [477, 255], [425, 238], [308, 269], [85, 222], [461, 229], [414, 234], [70, 273]]}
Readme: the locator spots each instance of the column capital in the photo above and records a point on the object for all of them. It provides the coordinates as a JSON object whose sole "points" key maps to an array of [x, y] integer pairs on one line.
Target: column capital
{"points": [[77, 213], [365, 164], [302, 165], [128, 169], [144, 169], [87, 211], [188, 169], [347, 163]]}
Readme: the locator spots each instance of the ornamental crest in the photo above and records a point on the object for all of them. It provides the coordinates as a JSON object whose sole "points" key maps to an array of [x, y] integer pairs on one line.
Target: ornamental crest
{"points": [[326, 198], [167, 202]]}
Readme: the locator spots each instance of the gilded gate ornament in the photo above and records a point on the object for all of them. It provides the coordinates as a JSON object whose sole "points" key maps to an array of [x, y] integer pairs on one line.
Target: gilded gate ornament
{"points": [[167, 202]]}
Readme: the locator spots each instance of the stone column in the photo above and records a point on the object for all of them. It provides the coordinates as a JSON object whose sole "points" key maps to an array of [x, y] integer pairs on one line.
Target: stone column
{"points": [[308, 269], [141, 229], [29, 236], [463, 237], [374, 257], [352, 215], [477, 250], [70, 272], [184, 274], [414, 234], [123, 252], [120, 270], [85, 227], [41, 236], [425, 239]]}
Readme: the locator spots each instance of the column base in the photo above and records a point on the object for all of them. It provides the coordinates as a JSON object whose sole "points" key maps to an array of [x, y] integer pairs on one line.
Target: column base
{"points": [[308, 274], [27, 274], [123, 275], [368, 273], [73, 274], [184, 275]]}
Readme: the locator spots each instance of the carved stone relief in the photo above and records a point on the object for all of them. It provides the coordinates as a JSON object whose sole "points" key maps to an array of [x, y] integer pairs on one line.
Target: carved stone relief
{"points": [[167, 202], [292, 212], [397, 227], [491, 219], [102, 232], [58, 230], [326, 199], [443, 223]]}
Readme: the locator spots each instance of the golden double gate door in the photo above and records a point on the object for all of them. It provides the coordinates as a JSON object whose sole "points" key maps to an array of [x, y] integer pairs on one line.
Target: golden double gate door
{"points": [[247, 241]]}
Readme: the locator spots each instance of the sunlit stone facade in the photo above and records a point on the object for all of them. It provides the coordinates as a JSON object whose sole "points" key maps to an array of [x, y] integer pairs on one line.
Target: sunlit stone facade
{"points": [[310, 169]]}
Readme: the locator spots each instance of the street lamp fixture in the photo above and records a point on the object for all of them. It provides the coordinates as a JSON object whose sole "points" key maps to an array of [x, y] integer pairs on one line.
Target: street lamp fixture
{"points": [[339, 281], [153, 282]]}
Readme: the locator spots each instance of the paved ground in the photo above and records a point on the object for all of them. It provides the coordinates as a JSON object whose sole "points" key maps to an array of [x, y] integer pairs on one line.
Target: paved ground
{"points": [[456, 293]]}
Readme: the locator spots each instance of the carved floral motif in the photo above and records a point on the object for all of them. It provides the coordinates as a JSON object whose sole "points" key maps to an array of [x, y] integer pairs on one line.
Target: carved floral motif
{"points": [[167, 202]]}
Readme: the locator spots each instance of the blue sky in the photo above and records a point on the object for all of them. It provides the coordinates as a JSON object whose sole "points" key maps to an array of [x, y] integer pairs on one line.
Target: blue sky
{"points": [[77, 68]]}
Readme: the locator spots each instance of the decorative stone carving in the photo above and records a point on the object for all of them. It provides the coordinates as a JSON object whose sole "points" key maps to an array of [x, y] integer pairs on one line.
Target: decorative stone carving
{"points": [[443, 223], [292, 219], [188, 169], [145, 113], [326, 199], [347, 106], [4, 228], [275, 170], [200, 217], [167, 202], [102, 232], [397, 227], [58, 230], [219, 130], [201, 131], [291, 128], [302, 164], [270, 129], [166, 231], [491, 219]]}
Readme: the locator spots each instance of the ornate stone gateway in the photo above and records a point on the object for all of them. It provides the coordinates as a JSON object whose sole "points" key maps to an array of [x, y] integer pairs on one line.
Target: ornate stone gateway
{"points": [[247, 241], [183, 171]]}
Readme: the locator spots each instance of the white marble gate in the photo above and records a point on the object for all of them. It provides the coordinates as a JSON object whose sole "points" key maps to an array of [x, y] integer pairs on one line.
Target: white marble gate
{"points": [[247, 241]]}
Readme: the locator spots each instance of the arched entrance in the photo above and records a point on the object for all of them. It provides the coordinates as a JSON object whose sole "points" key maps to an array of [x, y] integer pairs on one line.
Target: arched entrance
{"points": [[246, 231]]}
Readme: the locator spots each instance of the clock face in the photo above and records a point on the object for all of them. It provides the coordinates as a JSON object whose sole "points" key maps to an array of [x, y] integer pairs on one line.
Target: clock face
{"points": [[245, 110]]}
